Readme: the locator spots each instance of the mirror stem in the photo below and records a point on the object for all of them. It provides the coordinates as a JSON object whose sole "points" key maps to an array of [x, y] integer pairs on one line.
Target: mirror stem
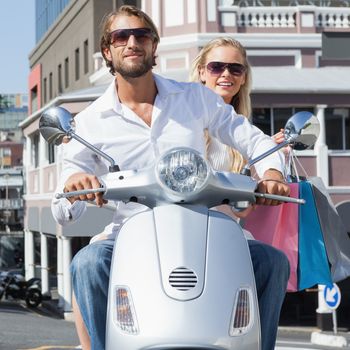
{"points": [[113, 167], [246, 169]]}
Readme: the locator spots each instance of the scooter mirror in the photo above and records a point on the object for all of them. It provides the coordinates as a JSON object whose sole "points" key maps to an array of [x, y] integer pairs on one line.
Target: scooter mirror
{"points": [[302, 130], [56, 125]]}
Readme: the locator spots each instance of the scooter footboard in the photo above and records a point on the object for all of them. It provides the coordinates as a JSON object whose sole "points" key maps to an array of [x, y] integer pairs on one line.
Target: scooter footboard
{"points": [[177, 279]]}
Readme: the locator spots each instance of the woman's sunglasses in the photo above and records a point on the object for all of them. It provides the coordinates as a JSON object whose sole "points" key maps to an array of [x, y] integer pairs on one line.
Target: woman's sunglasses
{"points": [[217, 68], [120, 37]]}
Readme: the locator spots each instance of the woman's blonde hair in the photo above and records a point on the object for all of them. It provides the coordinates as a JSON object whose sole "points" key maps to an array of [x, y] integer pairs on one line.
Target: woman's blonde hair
{"points": [[241, 102]]}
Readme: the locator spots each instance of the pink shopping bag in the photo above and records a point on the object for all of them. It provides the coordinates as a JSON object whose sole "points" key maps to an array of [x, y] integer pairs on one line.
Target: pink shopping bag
{"points": [[278, 226]]}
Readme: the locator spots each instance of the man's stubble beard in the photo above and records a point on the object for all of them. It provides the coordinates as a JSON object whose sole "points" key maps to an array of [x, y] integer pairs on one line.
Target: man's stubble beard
{"points": [[135, 70]]}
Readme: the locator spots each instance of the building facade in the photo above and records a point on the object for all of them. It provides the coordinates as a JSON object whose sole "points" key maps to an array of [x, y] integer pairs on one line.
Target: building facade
{"points": [[13, 110], [297, 65]]}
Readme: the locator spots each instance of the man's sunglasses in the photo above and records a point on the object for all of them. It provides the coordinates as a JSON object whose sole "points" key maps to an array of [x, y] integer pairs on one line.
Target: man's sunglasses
{"points": [[120, 37], [217, 68]]}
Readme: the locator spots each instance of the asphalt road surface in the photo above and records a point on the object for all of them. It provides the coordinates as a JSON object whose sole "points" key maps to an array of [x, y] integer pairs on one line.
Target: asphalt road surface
{"points": [[23, 329]]}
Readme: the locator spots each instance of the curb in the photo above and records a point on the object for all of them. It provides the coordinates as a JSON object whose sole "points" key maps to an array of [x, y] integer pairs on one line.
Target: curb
{"points": [[328, 339]]}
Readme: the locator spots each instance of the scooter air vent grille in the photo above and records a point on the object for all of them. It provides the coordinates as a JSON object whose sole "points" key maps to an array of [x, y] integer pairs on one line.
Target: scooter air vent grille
{"points": [[183, 279]]}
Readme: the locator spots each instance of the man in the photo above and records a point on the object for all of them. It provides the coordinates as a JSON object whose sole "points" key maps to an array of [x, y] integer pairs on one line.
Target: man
{"points": [[140, 116]]}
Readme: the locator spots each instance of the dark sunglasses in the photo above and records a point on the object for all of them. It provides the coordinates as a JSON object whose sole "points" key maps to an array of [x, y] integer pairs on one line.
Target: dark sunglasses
{"points": [[219, 67], [120, 37]]}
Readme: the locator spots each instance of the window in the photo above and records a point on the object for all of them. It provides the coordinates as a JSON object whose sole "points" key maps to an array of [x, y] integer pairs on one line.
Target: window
{"points": [[337, 128], [50, 86], [34, 98], [66, 72], [136, 3], [280, 117], [5, 157], [35, 150], [262, 119], [59, 73], [45, 90], [51, 152], [271, 120], [77, 64], [86, 56]]}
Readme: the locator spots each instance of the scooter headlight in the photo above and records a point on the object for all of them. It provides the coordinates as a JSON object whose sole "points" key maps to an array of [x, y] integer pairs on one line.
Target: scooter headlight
{"points": [[182, 170]]}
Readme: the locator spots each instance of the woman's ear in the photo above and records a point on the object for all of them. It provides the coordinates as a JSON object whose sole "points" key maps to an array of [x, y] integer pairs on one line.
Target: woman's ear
{"points": [[202, 74], [243, 79]]}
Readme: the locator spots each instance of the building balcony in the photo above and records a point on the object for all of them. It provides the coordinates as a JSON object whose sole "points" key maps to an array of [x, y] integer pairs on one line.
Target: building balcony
{"points": [[11, 204], [284, 18]]}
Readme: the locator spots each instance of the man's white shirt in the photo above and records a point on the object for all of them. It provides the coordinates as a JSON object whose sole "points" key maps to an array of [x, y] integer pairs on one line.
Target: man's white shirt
{"points": [[181, 114]]}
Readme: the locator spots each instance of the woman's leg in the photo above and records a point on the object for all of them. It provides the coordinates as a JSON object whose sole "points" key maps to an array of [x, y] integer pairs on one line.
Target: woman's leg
{"points": [[90, 269], [80, 326]]}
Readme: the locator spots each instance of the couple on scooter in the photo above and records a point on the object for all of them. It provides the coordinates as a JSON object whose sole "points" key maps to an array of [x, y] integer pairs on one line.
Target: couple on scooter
{"points": [[140, 116]]}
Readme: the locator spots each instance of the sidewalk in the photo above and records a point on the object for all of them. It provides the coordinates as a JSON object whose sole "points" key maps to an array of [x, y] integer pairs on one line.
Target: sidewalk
{"points": [[316, 336]]}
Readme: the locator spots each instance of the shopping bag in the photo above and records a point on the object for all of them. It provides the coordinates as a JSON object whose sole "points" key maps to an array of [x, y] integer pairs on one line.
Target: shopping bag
{"points": [[278, 226], [313, 264], [335, 235]]}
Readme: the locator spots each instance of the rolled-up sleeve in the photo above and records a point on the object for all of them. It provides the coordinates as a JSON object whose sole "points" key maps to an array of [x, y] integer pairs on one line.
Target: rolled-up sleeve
{"points": [[76, 158]]}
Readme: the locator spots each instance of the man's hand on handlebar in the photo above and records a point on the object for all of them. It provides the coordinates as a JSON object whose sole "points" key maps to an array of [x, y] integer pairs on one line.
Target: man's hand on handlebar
{"points": [[272, 183], [84, 181]]}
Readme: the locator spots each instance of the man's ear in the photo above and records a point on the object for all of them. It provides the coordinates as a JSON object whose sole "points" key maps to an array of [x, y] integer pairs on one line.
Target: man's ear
{"points": [[107, 54], [154, 48]]}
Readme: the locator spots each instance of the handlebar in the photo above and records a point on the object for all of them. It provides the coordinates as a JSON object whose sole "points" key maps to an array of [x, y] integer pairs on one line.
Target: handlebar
{"points": [[78, 193], [256, 194], [280, 198]]}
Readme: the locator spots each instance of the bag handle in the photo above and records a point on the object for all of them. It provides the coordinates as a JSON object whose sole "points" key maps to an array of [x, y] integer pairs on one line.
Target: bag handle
{"points": [[292, 173]]}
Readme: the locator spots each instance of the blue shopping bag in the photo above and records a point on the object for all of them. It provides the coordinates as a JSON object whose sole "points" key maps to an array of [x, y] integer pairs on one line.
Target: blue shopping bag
{"points": [[313, 264]]}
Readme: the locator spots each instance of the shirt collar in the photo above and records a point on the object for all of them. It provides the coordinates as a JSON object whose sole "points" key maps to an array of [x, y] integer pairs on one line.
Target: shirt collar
{"points": [[109, 101]]}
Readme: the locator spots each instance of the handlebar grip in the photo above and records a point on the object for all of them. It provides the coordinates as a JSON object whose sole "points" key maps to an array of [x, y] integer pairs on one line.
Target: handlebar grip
{"points": [[280, 198], [78, 193]]}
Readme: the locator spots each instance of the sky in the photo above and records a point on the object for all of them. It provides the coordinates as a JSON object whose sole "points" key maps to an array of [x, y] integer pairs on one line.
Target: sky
{"points": [[17, 40]]}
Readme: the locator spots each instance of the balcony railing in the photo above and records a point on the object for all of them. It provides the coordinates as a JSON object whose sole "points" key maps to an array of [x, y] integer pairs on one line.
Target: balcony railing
{"points": [[286, 16], [332, 17], [13, 203]]}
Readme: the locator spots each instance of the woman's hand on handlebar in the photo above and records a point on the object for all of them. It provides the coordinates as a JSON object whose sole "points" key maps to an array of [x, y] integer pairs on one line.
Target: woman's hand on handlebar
{"points": [[84, 181]]}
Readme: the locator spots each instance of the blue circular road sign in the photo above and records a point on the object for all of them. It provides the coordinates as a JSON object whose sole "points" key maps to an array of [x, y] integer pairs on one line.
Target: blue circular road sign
{"points": [[332, 296]]}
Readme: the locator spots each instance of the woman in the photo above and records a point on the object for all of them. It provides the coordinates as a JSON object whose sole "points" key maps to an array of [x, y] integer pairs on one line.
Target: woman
{"points": [[222, 66], [232, 83]]}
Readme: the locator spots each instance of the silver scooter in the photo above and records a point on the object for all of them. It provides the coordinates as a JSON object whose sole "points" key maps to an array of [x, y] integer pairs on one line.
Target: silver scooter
{"points": [[181, 275]]}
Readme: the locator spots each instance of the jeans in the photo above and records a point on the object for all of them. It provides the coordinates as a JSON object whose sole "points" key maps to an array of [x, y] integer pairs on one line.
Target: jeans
{"points": [[90, 273]]}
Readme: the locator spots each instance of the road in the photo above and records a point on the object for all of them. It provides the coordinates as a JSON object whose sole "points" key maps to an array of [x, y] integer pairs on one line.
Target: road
{"points": [[38, 329], [33, 329]]}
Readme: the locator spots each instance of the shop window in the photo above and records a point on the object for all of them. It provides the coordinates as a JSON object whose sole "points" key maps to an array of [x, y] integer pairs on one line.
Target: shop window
{"points": [[337, 128], [262, 119], [280, 117]]}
